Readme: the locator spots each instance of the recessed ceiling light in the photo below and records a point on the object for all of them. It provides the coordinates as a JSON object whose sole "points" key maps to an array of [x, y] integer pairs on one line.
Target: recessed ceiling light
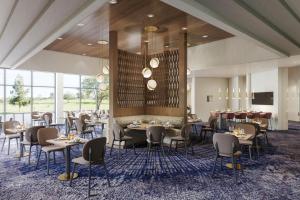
{"points": [[150, 15], [80, 24], [83, 54], [188, 44], [146, 41], [139, 53], [166, 46], [204, 36], [113, 1], [102, 42], [184, 28], [89, 44], [60, 38]]}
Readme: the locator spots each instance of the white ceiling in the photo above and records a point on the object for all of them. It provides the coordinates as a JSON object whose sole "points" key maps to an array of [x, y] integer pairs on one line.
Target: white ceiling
{"points": [[27, 26], [274, 24]]}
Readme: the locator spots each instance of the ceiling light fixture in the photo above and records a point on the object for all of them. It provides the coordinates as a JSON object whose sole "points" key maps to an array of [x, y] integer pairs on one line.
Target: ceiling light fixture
{"points": [[113, 1], [166, 46], [83, 54], [89, 44], [60, 38], [80, 24], [150, 15], [204, 36], [138, 53], [184, 28], [104, 42]]}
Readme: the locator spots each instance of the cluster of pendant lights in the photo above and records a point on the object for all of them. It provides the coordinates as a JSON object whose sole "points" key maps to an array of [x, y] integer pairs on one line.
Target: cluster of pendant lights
{"points": [[147, 73], [101, 77]]}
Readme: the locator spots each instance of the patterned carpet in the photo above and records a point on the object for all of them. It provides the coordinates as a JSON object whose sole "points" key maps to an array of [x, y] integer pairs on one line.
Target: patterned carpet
{"points": [[274, 175]]}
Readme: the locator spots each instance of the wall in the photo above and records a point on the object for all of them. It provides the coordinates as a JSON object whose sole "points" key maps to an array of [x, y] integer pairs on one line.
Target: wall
{"points": [[53, 61], [209, 86], [293, 93]]}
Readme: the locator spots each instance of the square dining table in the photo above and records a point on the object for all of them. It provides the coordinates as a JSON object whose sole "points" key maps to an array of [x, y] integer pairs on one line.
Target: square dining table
{"points": [[67, 144]]}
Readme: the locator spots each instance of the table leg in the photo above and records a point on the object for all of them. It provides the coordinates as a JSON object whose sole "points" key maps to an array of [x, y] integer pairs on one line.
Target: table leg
{"points": [[21, 146], [66, 176]]}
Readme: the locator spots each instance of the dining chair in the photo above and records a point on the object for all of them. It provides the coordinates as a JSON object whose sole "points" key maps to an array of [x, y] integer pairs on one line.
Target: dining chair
{"points": [[93, 153], [227, 146], [70, 123], [10, 135], [36, 117], [119, 135], [184, 138], [82, 128], [31, 139], [251, 129], [83, 118], [43, 135], [155, 136], [264, 127], [210, 127]]}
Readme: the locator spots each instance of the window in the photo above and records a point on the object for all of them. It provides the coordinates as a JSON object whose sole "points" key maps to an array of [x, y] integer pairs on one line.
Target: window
{"points": [[71, 99], [43, 79], [1, 76], [71, 80], [1, 99], [43, 99], [18, 98], [89, 88], [13, 75]]}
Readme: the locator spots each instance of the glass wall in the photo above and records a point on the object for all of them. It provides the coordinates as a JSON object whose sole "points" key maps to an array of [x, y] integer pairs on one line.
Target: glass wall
{"points": [[89, 88], [71, 92]]}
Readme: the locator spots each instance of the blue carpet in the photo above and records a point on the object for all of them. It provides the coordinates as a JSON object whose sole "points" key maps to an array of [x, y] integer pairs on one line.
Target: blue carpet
{"points": [[274, 175]]}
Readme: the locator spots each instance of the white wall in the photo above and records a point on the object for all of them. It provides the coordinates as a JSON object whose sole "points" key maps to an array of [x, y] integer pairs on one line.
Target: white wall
{"points": [[53, 61], [209, 86], [293, 93]]}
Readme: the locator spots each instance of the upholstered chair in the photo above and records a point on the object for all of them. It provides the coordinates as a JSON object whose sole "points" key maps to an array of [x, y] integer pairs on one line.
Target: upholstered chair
{"points": [[10, 135]]}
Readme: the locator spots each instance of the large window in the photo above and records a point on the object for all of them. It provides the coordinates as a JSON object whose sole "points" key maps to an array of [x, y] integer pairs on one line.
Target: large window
{"points": [[89, 88], [71, 92], [43, 92]]}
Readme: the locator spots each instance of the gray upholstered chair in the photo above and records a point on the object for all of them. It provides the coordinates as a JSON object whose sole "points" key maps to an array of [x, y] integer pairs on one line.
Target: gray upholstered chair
{"points": [[92, 154], [31, 139], [83, 118], [155, 136], [47, 117], [43, 135], [264, 127], [183, 138], [10, 135], [119, 135], [71, 126], [82, 128], [252, 129], [227, 145], [36, 117]]}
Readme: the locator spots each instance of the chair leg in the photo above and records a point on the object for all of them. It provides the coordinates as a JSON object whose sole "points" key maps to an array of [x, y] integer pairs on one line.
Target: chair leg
{"points": [[119, 151], [29, 154], [234, 168], [176, 146], [170, 145], [148, 152], [125, 146], [54, 157], [250, 152], [134, 148], [112, 146], [89, 189], [48, 160], [3, 143], [214, 168], [186, 150], [92, 135], [71, 178], [17, 143], [38, 160], [106, 174], [266, 138], [162, 149], [221, 163], [36, 150], [8, 147]]}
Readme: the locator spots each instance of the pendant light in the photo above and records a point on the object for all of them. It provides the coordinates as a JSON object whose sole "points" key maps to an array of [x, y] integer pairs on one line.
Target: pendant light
{"points": [[188, 71], [105, 69], [154, 62], [151, 84], [147, 73], [100, 78]]}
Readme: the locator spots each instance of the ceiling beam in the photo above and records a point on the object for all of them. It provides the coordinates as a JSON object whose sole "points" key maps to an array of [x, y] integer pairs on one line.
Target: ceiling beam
{"points": [[41, 13], [291, 11], [206, 14], [8, 18], [267, 22]]}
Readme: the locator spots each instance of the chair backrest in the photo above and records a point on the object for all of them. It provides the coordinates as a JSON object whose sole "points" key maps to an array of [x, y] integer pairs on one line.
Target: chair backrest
{"points": [[31, 133], [118, 131], [83, 117], [186, 131], [249, 128], [47, 117], [80, 125], [226, 144], [35, 115], [70, 121], [9, 125], [94, 150], [155, 134], [45, 134], [212, 121], [264, 123]]}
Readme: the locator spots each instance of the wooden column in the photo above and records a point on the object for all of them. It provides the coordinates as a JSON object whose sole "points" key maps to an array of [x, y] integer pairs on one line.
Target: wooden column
{"points": [[113, 75], [182, 74]]}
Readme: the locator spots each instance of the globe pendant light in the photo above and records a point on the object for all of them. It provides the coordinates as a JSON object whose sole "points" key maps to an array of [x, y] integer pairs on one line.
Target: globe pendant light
{"points": [[151, 84], [105, 69], [147, 72], [100, 78], [188, 71], [154, 62], [103, 87]]}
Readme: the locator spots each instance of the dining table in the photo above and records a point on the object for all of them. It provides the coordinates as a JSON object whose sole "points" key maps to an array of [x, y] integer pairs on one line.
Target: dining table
{"points": [[194, 123], [67, 143], [145, 126], [20, 131]]}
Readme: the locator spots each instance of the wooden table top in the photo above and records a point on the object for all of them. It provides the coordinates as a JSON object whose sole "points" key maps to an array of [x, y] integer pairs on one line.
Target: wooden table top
{"points": [[64, 142]]}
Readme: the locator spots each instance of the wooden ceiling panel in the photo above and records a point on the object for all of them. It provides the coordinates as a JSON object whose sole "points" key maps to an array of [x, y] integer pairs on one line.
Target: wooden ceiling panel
{"points": [[128, 18]]}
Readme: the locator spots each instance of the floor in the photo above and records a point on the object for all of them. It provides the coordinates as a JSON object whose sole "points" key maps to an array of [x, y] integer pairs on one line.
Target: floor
{"points": [[274, 175]]}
